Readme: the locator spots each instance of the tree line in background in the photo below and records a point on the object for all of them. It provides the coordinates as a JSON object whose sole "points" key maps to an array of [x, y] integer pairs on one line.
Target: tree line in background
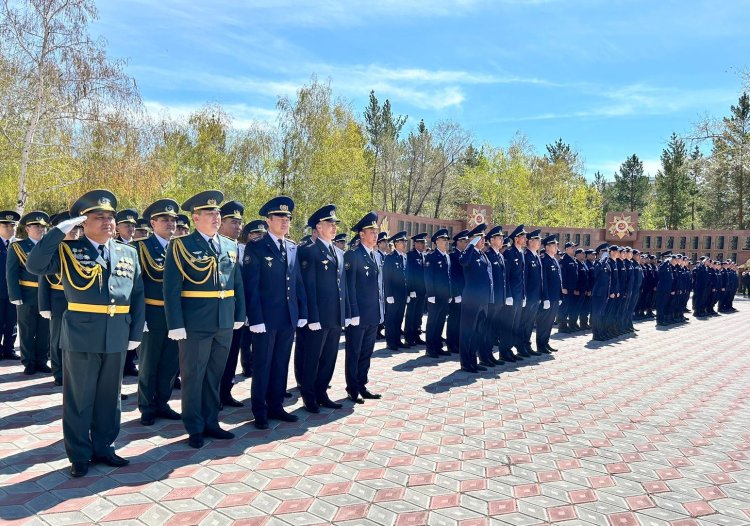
{"points": [[72, 120]]}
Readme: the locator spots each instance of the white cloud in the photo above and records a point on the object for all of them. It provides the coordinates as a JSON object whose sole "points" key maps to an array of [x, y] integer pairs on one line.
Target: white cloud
{"points": [[243, 116]]}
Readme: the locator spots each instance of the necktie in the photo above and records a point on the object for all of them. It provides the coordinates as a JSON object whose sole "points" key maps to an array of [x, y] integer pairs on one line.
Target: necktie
{"points": [[7, 243], [213, 246], [333, 252], [282, 249], [103, 254]]}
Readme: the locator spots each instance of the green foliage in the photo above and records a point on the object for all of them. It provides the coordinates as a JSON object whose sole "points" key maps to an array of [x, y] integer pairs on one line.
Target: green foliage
{"points": [[631, 188], [673, 186]]}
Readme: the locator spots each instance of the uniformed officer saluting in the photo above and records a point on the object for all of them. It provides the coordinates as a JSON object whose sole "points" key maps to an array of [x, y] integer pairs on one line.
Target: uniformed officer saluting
{"points": [[325, 286], [276, 305], [33, 330], [364, 303], [105, 316], [204, 302], [159, 357]]}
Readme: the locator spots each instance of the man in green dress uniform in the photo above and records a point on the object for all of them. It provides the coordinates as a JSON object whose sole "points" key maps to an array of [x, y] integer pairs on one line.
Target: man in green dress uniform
{"points": [[102, 282], [204, 302], [33, 330], [159, 358]]}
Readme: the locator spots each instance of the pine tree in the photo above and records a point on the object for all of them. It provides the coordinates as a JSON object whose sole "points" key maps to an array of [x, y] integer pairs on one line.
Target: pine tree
{"points": [[673, 185], [631, 187]]}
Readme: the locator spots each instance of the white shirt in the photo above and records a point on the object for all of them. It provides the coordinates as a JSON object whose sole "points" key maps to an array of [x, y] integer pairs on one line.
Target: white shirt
{"points": [[163, 242], [96, 247], [447, 258], [214, 240]]}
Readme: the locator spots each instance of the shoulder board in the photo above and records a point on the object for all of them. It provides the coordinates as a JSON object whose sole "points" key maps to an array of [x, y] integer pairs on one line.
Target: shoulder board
{"points": [[179, 237], [228, 238], [123, 242], [288, 241]]}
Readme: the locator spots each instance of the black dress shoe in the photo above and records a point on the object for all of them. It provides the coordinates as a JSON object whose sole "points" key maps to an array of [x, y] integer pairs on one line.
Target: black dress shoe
{"points": [[231, 402], [218, 433], [443, 353], [168, 413], [311, 407], [404, 346], [481, 368], [535, 353], [130, 371], [367, 395], [261, 424], [486, 364], [110, 459], [432, 355], [177, 384], [148, 420], [472, 370], [29, 370], [196, 440], [287, 395], [79, 469], [330, 404], [247, 373], [123, 396], [495, 360], [418, 341], [392, 347], [523, 355], [11, 356], [543, 350], [355, 398], [44, 368], [283, 416], [551, 349], [509, 358], [57, 382]]}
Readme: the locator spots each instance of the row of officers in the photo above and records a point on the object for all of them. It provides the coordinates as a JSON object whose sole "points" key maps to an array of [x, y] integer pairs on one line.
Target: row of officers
{"points": [[190, 302]]}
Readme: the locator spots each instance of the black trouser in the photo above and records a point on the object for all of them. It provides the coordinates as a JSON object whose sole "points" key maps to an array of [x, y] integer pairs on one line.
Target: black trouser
{"points": [[321, 349], [503, 314], [663, 300], [453, 329], [414, 312], [574, 309], [55, 352], [598, 308], [565, 307], [491, 331], [271, 353], [8, 331], [130, 357], [34, 334], [584, 313], [472, 321], [299, 353], [516, 327], [159, 361], [544, 321], [246, 350], [610, 315], [436, 315], [227, 379], [360, 343], [528, 318], [394, 316]]}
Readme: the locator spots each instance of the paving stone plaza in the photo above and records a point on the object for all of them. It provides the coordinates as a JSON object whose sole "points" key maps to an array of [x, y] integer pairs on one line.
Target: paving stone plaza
{"points": [[651, 430]]}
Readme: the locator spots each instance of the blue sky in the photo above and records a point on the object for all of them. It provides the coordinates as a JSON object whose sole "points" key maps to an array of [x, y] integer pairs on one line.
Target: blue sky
{"points": [[612, 78]]}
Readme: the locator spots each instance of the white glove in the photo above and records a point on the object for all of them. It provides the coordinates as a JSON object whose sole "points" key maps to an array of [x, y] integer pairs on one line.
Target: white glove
{"points": [[509, 302], [431, 299], [301, 323], [238, 325], [408, 299], [261, 327], [457, 299], [560, 302], [133, 345], [17, 302], [314, 326], [347, 322], [412, 294], [546, 305], [523, 304], [145, 326], [45, 314], [177, 334], [355, 321], [69, 224], [390, 299]]}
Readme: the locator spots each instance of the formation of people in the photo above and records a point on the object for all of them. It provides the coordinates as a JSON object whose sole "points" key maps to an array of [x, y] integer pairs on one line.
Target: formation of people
{"points": [[91, 287]]}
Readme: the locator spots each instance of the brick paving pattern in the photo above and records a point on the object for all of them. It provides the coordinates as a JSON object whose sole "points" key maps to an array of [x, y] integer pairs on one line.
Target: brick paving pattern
{"points": [[649, 430]]}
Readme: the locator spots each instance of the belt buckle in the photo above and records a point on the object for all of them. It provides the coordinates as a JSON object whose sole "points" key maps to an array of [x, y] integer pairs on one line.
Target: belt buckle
{"points": [[222, 294], [111, 309]]}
